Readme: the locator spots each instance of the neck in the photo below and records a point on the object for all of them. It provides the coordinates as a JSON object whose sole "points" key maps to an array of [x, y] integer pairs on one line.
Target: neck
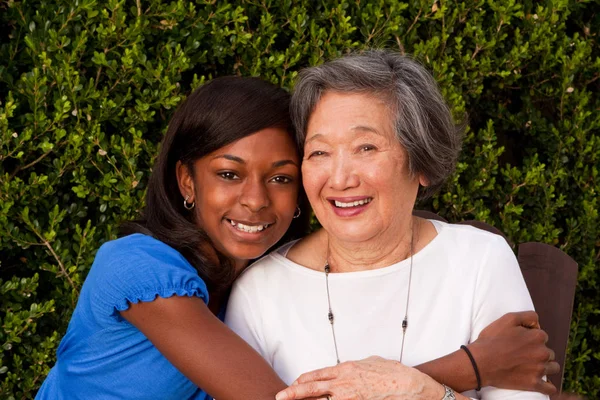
{"points": [[240, 265], [381, 251]]}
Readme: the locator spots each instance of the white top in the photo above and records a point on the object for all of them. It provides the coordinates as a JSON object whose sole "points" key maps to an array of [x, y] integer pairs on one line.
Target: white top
{"points": [[463, 280]]}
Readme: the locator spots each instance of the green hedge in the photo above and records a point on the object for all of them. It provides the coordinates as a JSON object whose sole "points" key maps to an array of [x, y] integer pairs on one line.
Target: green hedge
{"points": [[86, 90]]}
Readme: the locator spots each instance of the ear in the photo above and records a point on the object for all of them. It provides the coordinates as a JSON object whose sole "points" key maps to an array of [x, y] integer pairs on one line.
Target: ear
{"points": [[185, 181], [423, 181]]}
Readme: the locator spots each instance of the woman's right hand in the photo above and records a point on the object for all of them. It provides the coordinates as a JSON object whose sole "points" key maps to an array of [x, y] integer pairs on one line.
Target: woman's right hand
{"points": [[511, 353], [373, 378]]}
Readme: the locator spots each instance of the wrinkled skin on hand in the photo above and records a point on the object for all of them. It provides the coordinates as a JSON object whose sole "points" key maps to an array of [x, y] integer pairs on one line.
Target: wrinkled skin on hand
{"points": [[511, 353], [374, 378]]}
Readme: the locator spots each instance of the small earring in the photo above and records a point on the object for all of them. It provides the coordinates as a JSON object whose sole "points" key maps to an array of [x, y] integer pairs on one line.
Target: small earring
{"points": [[298, 212], [186, 205]]}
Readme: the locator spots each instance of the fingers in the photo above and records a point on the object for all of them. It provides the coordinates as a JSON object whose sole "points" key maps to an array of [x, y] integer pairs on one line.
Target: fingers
{"points": [[539, 335], [552, 368], [546, 387], [304, 390], [528, 319], [323, 374]]}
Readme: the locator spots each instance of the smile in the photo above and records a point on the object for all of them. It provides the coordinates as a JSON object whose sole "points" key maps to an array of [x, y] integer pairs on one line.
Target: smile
{"points": [[341, 204], [248, 228]]}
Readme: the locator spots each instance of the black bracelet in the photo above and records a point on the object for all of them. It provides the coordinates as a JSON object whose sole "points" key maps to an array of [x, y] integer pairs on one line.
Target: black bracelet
{"points": [[466, 349]]}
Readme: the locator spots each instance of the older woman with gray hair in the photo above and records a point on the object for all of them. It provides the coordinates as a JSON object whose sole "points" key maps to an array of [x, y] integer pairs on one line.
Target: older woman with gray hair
{"points": [[375, 280]]}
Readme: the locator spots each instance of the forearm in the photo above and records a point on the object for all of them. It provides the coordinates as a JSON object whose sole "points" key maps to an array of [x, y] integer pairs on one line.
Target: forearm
{"points": [[433, 390], [200, 346], [454, 370], [239, 372]]}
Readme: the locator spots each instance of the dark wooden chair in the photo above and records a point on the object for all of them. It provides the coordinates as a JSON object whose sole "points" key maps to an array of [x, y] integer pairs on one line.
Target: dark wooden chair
{"points": [[551, 277]]}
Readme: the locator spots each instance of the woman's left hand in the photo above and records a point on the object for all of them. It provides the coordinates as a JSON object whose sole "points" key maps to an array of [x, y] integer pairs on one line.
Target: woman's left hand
{"points": [[372, 378]]}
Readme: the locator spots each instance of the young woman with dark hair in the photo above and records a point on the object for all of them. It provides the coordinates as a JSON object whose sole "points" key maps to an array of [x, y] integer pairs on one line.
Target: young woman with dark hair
{"points": [[225, 188]]}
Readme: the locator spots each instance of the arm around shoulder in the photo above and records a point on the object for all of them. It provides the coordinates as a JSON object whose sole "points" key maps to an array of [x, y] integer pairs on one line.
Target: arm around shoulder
{"points": [[154, 288], [198, 344]]}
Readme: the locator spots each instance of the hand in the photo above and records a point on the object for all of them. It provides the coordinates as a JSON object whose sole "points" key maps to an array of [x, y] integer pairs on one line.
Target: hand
{"points": [[511, 353], [373, 378]]}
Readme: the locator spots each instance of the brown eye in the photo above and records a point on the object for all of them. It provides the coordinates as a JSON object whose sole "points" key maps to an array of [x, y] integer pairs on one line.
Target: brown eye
{"points": [[228, 175], [316, 154], [282, 179]]}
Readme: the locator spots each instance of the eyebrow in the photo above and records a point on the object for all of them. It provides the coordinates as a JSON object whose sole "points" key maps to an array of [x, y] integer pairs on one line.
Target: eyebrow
{"points": [[313, 137], [281, 163], [239, 160], [231, 158], [363, 128]]}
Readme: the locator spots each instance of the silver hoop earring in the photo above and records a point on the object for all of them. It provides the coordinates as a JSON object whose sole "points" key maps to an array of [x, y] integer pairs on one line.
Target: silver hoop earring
{"points": [[298, 212], [186, 205]]}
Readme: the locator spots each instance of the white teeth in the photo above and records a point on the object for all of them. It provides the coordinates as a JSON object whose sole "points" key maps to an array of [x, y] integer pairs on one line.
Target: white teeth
{"points": [[248, 228], [352, 203]]}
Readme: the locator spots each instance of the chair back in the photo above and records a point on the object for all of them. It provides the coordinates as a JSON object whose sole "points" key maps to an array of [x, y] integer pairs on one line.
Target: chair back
{"points": [[551, 277]]}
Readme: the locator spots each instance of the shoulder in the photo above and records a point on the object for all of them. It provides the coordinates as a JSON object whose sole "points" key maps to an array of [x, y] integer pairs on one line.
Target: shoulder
{"points": [[139, 248], [138, 268], [139, 253], [469, 237], [270, 270], [466, 250], [264, 268]]}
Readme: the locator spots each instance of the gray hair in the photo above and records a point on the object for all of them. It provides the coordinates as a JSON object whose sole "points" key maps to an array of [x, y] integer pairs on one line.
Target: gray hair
{"points": [[423, 122]]}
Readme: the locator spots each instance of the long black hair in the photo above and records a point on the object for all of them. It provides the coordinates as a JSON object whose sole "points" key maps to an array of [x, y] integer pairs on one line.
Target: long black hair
{"points": [[218, 113]]}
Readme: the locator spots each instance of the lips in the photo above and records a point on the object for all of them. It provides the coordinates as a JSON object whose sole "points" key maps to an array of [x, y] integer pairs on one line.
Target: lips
{"points": [[349, 206], [342, 204], [349, 202], [249, 227]]}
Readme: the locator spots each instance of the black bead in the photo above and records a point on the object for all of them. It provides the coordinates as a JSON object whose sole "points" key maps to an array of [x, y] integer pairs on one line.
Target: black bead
{"points": [[327, 269], [330, 316], [405, 324]]}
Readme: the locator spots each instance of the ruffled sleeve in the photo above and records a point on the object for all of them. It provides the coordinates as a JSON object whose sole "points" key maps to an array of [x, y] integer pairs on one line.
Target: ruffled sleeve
{"points": [[138, 268]]}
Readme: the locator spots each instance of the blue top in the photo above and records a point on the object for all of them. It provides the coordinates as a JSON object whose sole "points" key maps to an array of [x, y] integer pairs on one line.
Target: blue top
{"points": [[103, 356]]}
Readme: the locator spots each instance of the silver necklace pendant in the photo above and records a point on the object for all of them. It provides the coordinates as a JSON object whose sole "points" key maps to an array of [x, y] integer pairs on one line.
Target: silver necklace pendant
{"points": [[330, 316]]}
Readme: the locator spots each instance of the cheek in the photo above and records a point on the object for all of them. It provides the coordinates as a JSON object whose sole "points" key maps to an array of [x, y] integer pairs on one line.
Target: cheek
{"points": [[313, 180], [211, 200], [284, 206], [285, 202]]}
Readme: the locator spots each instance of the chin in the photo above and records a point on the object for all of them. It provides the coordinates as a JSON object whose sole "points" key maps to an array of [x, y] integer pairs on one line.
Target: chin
{"points": [[353, 234], [356, 229], [248, 253]]}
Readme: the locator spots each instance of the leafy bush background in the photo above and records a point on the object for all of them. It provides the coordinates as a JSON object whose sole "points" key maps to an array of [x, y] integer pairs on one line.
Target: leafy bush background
{"points": [[87, 87]]}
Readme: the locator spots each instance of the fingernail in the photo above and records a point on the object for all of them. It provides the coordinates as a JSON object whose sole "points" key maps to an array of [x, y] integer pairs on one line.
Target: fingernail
{"points": [[281, 396]]}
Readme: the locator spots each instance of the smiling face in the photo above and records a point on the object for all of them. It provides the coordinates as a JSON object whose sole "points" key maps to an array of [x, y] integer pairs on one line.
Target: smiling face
{"points": [[245, 193], [355, 172]]}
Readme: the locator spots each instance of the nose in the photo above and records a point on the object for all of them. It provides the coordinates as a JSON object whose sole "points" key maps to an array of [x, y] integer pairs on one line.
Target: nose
{"points": [[343, 173], [254, 195]]}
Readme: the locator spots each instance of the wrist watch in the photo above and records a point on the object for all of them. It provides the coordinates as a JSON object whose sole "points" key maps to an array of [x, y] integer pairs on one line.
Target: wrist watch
{"points": [[449, 395]]}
